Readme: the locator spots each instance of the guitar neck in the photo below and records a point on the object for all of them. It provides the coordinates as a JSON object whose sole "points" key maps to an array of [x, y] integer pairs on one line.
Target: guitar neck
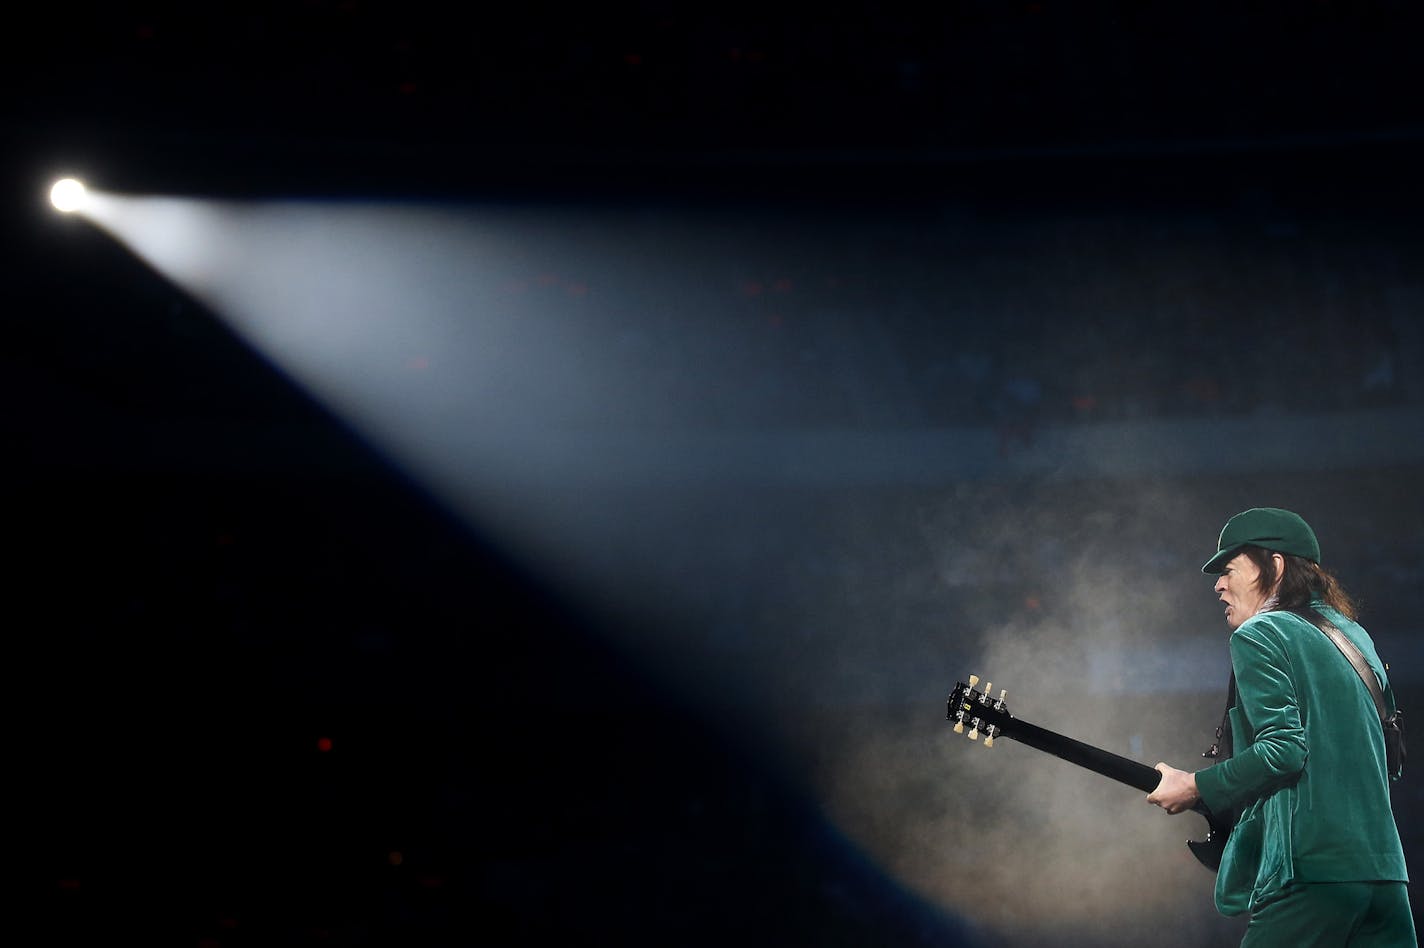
{"points": [[990, 717], [1121, 769]]}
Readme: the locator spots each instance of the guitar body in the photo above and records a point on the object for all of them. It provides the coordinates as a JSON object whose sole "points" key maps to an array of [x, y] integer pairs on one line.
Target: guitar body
{"points": [[989, 717], [1208, 851]]}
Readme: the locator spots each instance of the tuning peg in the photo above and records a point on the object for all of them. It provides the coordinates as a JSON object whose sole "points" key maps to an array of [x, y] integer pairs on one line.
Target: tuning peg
{"points": [[989, 740], [974, 734], [988, 687], [959, 727], [973, 680], [1003, 695]]}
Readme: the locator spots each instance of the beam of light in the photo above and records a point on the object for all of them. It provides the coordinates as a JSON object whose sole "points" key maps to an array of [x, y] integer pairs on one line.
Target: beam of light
{"points": [[68, 195], [492, 353], [531, 366]]}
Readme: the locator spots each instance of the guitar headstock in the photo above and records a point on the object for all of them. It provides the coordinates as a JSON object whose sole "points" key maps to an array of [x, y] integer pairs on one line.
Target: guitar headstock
{"points": [[979, 710]]}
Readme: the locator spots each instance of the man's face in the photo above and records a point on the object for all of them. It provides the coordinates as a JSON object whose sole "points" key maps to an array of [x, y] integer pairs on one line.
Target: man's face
{"points": [[1238, 591]]}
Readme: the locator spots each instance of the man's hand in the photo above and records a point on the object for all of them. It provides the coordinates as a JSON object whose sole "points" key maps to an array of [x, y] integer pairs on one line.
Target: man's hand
{"points": [[1176, 792]]}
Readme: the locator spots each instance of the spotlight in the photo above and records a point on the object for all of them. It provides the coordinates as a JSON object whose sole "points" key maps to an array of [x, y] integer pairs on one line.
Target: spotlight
{"points": [[67, 195]]}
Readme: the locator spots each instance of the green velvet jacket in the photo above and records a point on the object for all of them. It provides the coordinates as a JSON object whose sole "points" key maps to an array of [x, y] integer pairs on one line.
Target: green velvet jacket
{"points": [[1308, 771]]}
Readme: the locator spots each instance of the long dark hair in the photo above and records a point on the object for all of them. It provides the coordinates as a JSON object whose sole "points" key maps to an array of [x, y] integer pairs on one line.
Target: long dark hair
{"points": [[1303, 583]]}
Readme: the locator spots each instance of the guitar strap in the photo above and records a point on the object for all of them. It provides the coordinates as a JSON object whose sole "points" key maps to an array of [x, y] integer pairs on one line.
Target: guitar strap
{"points": [[1362, 667], [1392, 724], [1222, 749], [1224, 745]]}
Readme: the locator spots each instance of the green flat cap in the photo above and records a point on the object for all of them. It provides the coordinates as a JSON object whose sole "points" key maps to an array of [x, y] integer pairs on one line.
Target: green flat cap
{"points": [[1270, 528]]}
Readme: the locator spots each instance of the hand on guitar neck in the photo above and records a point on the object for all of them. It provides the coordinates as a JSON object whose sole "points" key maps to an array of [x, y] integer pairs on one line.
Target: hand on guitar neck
{"points": [[1177, 792], [979, 714]]}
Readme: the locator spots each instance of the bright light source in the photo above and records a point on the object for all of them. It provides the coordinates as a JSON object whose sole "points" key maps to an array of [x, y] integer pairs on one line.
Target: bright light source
{"points": [[67, 195]]}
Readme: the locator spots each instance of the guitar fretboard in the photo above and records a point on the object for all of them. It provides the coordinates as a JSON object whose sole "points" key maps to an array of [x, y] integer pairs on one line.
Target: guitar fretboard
{"points": [[1121, 769]]}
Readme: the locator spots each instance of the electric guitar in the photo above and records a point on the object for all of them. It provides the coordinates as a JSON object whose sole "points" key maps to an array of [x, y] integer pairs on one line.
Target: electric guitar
{"points": [[989, 717]]}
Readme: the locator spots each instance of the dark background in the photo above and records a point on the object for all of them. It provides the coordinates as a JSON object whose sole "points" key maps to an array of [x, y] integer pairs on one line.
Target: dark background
{"points": [[191, 617]]}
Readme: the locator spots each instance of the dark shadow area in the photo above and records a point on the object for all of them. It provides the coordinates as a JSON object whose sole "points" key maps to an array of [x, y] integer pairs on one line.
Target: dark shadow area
{"points": [[494, 774]]}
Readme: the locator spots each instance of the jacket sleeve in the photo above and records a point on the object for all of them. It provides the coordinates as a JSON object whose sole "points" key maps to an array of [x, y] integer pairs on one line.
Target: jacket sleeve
{"points": [[1273, 753]]}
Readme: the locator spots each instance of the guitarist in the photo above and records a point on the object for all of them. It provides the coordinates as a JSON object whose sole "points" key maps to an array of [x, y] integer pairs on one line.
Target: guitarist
{"points": [[1315, 855]]}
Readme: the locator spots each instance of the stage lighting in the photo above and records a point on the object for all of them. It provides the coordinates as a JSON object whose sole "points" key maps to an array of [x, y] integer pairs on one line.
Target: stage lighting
{"points": [[67, 195]]}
